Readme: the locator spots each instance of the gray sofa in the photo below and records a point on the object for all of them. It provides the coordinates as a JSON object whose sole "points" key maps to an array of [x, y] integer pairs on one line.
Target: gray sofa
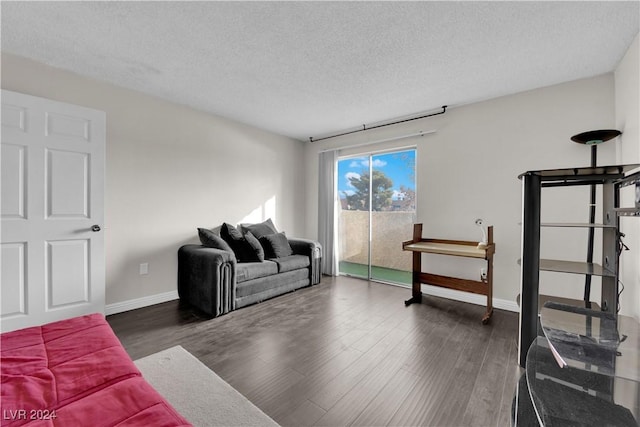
{"points": [[217, 279]]}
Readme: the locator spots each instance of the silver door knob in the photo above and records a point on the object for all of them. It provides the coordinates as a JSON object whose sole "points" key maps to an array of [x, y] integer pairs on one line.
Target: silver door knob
{"points": [[95, 228]]}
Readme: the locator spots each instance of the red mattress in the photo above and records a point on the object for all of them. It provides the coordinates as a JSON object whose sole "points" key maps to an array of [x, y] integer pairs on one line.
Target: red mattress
{"points": [[76, 373]]}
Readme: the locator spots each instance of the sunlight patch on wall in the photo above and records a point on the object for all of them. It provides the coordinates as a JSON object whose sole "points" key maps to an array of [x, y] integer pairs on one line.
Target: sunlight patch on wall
{"points": [[263, 212]]}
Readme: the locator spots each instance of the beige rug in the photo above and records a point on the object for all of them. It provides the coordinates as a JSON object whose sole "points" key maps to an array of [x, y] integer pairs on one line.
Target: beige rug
{"points": [[194, 390]]}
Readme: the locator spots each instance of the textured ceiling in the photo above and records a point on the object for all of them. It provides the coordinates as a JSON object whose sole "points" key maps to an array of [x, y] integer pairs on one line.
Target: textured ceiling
{"points": [[306, 69]]}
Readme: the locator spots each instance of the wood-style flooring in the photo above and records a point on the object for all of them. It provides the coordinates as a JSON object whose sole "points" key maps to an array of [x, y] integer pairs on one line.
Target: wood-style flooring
{"points": [[347, 352]]}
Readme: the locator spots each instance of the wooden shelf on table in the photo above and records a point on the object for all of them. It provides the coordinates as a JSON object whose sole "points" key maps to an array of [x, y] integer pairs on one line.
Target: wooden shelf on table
{"points": [[447, 247]]}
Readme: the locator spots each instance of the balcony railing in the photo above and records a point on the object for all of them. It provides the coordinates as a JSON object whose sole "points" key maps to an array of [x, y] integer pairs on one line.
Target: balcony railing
{"points": [[388, 230]]}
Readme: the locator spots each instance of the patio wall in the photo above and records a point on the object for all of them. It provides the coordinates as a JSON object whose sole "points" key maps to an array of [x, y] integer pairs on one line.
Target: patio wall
{"points": [[390, 229]]}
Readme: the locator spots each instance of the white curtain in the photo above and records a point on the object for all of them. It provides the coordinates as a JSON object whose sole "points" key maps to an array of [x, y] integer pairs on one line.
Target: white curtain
{"points": [[327, 210]]}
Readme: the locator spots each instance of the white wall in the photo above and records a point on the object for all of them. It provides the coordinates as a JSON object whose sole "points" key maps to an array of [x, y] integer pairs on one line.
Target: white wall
{"points": [[468, 169], [627, 90], [169, 170]]}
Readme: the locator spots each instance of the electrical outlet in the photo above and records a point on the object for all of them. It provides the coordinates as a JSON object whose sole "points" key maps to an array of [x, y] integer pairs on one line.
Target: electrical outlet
{"points": [[144, 268], [483, 273]]}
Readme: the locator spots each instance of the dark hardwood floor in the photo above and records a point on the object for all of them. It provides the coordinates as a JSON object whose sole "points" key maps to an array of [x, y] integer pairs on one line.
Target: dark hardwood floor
{"points": [[348, 352]]}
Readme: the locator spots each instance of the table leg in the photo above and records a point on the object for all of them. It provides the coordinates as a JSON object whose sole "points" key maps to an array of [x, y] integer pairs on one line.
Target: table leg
{"points": [[416, 288]]}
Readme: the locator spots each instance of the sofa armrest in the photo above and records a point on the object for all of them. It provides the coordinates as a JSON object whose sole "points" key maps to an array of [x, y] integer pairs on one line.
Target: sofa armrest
{"points": [[313, 250], [206, 278]]}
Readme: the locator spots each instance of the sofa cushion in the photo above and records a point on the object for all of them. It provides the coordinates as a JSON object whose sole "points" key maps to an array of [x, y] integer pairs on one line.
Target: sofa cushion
{"points": [[292, 262], [260, 230], [209, 239], [276, 245], [267, 287], [255, 270]]}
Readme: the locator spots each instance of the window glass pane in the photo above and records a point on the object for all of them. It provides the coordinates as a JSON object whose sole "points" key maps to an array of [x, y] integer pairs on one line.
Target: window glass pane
{"points": [[393, 214], [375, 237], [353, 225]]}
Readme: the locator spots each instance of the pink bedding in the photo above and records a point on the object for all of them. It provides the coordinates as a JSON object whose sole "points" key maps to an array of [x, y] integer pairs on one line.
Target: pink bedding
{"points": [[76, 373]]}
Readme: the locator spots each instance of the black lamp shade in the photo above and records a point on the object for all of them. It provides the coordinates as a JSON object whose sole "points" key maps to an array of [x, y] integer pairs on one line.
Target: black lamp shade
{"points": [[595, 136]]}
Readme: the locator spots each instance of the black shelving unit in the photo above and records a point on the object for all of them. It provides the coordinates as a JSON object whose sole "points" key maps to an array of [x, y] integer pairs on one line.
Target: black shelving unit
{"points": [[577, 355], [611, 179]]}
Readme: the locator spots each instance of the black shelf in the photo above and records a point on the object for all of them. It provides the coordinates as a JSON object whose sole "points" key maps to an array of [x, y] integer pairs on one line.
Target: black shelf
{"points": [[584, 173], [627, 211]]}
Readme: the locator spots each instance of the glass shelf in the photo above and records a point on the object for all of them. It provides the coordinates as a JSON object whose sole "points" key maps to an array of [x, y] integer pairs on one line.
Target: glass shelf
{"points": [[543, 299], [574, 397], [575, 267], [592, 340], [576, 225], [523, 414]]}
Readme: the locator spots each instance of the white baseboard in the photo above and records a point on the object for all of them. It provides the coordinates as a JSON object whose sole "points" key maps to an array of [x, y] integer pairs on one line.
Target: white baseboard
{"points": [[120, 307], [132, 304], [501, 304]]}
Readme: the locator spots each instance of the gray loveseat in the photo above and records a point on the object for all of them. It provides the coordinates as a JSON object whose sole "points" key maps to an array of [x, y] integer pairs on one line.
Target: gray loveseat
{"points": [[237, 267]]}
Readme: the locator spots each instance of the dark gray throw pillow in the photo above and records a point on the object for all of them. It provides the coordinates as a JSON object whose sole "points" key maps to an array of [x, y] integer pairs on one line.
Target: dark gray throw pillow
{"points": [[210, 239], [255, 245], [229, 233], [260, 230], [276, 245], [242, 248]]}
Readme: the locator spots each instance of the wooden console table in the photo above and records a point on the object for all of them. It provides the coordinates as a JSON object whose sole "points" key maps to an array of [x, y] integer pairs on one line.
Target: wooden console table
{"points": [[460, 248]]}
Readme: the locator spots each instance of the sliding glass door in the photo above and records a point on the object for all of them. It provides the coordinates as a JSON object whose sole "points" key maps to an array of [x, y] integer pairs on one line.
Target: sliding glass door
{"points": [[377, 209]]}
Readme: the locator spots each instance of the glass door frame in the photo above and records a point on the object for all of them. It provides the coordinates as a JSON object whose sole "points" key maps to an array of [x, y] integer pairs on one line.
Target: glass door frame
{"points": [[370, 160]]}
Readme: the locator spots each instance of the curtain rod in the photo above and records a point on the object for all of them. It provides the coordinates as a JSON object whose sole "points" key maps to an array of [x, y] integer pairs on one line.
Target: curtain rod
{"points": [[364, 127], [395, 138]]}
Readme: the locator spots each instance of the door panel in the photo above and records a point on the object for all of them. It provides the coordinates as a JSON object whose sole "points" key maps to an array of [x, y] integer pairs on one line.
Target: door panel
{"points": [[52, 193], [67, 272], [377, 201], [70, 128], [13, 289], [13, 117], [353, 218], [14, 169], [392, 216], [67, 185]]}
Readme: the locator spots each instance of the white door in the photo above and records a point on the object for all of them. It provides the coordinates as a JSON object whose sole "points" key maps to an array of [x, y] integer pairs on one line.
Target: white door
{"points": [[52, 210]]}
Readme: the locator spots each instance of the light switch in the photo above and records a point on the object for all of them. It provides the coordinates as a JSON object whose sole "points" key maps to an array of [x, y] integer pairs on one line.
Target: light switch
{"points": [[144, 268]]}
